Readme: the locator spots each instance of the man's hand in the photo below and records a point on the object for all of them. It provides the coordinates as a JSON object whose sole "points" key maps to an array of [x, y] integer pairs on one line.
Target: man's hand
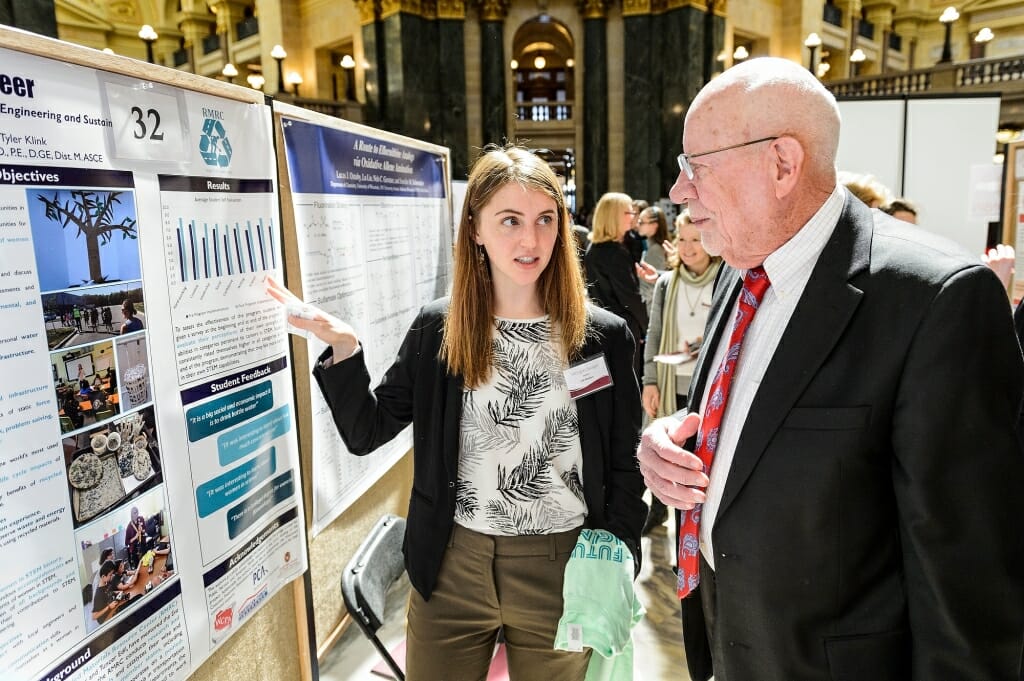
{"points": [[674, 475]]}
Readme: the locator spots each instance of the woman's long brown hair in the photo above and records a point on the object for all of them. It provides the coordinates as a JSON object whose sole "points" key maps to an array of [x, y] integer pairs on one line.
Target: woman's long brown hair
{"points": [[466, 345]]}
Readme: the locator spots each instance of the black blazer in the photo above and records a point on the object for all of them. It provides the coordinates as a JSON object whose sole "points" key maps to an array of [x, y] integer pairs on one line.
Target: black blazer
{"points": [[872, 522], [419, 389], [612, 283]]}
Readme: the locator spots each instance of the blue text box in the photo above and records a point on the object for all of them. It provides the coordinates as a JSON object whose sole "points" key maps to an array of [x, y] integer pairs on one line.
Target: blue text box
{"points": [[242, 516], [213, 495], [224, 412], [249, 437]]}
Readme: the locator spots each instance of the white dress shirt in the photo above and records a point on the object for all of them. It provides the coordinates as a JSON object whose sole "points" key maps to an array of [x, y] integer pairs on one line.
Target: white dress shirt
{"points": [[788, 270]]}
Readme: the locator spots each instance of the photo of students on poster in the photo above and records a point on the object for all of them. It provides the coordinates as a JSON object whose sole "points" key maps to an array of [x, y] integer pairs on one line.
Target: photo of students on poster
{"points": [[124, 559]]}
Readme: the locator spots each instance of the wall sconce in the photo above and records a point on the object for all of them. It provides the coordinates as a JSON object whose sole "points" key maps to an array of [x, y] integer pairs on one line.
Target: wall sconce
{"points": [[570, 62], [148, 36], [278, 54], [812, 43], [229, 71], [514, 64], [255, 81], [539, 62], [295, 80], [949, 15], [1006, 135], [349, 64], [856, 58], [740, 53], [823, 68], [981, 40]]}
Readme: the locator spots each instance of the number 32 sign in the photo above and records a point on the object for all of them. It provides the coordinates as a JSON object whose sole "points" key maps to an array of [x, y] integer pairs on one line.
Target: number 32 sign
{"points": [[147, 122]]}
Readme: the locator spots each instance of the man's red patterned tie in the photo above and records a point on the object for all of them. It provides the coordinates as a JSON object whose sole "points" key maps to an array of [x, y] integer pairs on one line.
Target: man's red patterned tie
{"points": [[754, 286]]}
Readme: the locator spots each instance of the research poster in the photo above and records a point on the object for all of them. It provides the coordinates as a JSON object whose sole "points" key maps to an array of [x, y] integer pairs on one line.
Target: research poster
{"points": [[374, 229], [149, 493]]}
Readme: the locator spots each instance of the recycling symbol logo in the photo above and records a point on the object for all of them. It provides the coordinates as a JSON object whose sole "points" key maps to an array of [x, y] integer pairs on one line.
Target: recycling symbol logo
{"points": [[214, 145]]}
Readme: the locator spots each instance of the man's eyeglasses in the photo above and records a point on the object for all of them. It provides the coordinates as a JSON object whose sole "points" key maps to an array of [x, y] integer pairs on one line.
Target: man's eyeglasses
{"points": [[684, 159]]}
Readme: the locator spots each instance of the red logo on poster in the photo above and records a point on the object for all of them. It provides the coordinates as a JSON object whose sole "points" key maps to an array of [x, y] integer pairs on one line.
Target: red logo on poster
{"points": [[223, 619]]}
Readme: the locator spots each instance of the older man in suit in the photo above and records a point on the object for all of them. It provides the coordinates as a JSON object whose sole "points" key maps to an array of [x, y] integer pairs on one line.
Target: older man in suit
{"points": [[857, 478]]}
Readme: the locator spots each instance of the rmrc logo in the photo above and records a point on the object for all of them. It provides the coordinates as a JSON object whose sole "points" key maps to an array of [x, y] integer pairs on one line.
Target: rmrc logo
{"points": [[214, 145], [250, 604]]}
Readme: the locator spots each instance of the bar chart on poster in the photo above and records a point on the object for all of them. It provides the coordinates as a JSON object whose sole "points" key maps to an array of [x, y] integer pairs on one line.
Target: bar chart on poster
{"points": [[204, 241], [206, 250]]}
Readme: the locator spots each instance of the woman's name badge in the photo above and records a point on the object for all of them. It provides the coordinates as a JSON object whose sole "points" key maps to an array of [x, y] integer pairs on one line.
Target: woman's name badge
{"points": [[587, 377]]}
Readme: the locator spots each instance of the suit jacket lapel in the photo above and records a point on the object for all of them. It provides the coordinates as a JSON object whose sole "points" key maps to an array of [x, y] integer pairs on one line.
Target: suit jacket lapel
{"points": [[818, 322]]}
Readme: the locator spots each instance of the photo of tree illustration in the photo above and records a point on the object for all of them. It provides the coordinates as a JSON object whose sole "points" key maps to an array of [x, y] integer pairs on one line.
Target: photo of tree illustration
{"points": [[84, 237]]}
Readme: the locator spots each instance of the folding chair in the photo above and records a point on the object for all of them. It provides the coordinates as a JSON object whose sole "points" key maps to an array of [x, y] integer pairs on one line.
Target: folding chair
{"points": [[376, 565]]}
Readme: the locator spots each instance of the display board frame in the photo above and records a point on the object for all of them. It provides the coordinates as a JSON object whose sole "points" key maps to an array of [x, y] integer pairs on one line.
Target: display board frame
{"points": [[152, 81]]}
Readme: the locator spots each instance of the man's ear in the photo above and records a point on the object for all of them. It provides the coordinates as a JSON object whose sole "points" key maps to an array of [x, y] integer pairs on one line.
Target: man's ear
{"points": [[788, 164]]}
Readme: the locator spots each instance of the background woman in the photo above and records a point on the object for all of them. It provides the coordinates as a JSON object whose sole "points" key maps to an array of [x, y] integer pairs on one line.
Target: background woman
{"points": [[652, 225], [679, 311], [508, 466], [611, 276]]}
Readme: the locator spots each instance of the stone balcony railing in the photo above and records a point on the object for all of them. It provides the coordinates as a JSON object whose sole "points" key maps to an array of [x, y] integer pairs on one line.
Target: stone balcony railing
{"points": [[1004, 75], [349, 110]]}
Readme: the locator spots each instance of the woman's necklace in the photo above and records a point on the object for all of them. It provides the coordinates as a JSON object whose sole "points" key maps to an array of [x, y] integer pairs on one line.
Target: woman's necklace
{"points": [[692, 305]]}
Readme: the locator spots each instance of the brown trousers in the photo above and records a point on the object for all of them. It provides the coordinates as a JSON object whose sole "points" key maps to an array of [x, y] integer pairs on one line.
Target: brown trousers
{"points": [[487, 583]]}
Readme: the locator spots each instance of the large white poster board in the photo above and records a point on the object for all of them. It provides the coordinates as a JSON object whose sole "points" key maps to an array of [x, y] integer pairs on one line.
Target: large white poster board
{"points": [[374, 230], [936, 151], [161, 441]]}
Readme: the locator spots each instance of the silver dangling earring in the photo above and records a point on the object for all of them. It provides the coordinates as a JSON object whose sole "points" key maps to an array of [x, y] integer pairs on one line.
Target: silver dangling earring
{"points": [[481, 259]]}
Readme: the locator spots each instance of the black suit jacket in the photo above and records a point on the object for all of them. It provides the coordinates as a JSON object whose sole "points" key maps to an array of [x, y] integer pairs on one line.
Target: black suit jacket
{"points": [[419, 389], [612, 283], [872, 523]]}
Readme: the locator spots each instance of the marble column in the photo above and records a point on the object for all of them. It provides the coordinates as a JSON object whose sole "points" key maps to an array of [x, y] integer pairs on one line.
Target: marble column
{"points": [[38, 16], [415, 77], [682, 30], [908, 32], [882, 17], [642, 70], [492, 70], [452, 88], [595, 102], [375, 75], [229, 13]]}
